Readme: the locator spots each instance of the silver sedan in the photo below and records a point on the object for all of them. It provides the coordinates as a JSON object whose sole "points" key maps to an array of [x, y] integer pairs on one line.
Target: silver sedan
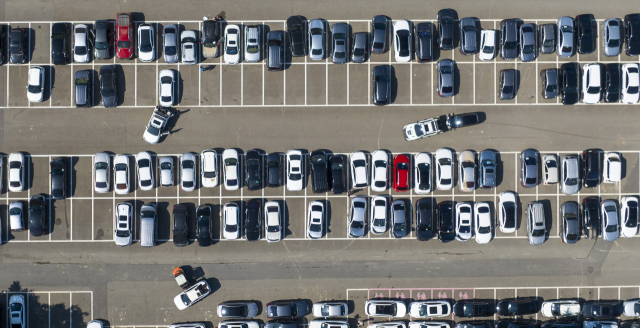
{"points": [[340, 43], [317, 34], [445, 78]]}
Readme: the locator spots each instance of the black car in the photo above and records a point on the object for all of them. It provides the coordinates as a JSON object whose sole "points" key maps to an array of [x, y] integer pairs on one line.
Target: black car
{"points": [[279, 324], [446, 232], [37, 222], [274, 171], [275, 51], [549, 78], [108, 86], [17, 46], [381, 76], [253, 170], [204, 225], [518, 306], [591, 168], [474, 324], [587, 33], [297, 36], [474, 308], [180, 225], [562, 324], [319, 171], [507, 84], [58, 173], [632, 35], [379, 32], [253, 220], [601, 310], [570, 80], [446, 28], [59, 35], [424, 33], [462, 120], [336, 171], [591, 216], [612, 83], [511, 324], [424, 219]]}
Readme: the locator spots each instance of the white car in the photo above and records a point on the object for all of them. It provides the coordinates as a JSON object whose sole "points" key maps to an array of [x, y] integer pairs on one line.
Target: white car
{"points": [[379, 171], [378, 214], [146, 51], [145, 171], [550, 169], [231, 44], [189, 48], [226, 324], [35, 85], [252, 48], [98, 324], [231, 169], [328, 323], [80, 44], [488, 47], [231, 226], [359, 170], [167, 85], [561, 308], [192, 295], [330, 309], [187, 172], [295, 167], [315, 220], [507, 209], [609, 227], [467, 171], [16, 216], [16, 172], [591, 84], [482, 223], [422, 175], [385, 308], [209, 168], [166, 172], [402, 41], [121, 174], [630, 83], [611, 168], [464, 214], [101, 172], [429, 309], [631, 308], [629, 216], [444, 169], [122, 233], [429, 324], [273, 222], [17, 311], [388, 324]]}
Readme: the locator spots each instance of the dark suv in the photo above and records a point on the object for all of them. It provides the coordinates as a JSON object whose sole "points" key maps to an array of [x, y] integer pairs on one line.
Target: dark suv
{"points": [[587, 33], [59, 35], [591, 168], [570, 83], [17, 48], [253, 170], [318, 166], [509, 39], [612, 83], [469, 309], [632, 35], [517, 307], [446, 232], [297, 36], [275, 51], [446, 28], [336, 164], [274, 170]]}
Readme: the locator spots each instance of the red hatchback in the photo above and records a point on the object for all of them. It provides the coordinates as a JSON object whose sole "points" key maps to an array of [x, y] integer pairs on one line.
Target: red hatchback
{"points": [[401, 173], [124, 35]]}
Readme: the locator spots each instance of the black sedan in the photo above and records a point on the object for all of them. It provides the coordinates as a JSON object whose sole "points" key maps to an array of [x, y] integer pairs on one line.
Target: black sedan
{"points": [[17, 46], [562, 324], [600, 310], [632, 35], [180, 225], [253, 220], [471, 309], [446, 28], [445, 215], [204, 225], [570, 73], [59, 35], [424, 219], [511, 324], [462, 120], [587, 33], [37, 222], [287, 309], [108, 86], [591, 168], [591, 217], [253, 170], [612, 83], [297, 36], [424, 33], [379, 32], [336, 171], [58, 178], [517, 307], [381, 76]]}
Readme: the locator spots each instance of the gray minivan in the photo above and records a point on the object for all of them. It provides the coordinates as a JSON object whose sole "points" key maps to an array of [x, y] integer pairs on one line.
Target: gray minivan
{"points": [[148, 225], [275, 51]]}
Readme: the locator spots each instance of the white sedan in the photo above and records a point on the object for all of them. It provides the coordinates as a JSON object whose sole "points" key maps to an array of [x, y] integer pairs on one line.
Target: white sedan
{"points": [[631, 308], [101, 172], [231, 224], [146, 51], [325, 323], [629, 216], [483, 224], [230, 162], [272, 222], [359, 177], [330, 309], [464, 214], [122, 233], [507, 212], [488, 47], [35, 85], [209, 167], [187, 172], [16, 216], [315, 220], [16, 172], [560, 308], [167, 86], [192, 295], [429, 309], [295, 167], [121, 174], [444, 169], [145, 171], [630, 83], [402, 41], [422, 174], [612, 168], [379, 215], [231, 44], [385, 308], [166, 171], [429, 324], [379, 172], [80, 44], [591, 84]]}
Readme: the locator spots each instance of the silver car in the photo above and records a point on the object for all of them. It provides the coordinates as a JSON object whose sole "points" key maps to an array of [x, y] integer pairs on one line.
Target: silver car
{"points": [[359, 50], [610, 223], [399, 226], [357, 223], [547, 38], [528, 42], [446, 80], [166, 172], [317, 41], [170, 44], [529, 168], [536, 225], [566, 40], [487, 170], [569, 174], [613, 29], [340, 43], [570, 222]]}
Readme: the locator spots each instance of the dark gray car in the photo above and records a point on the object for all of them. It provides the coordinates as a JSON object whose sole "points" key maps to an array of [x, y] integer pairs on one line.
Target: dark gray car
{"points": [[424, 34], [280, 324], [108, 86], [287, 309], [17, 46], [379, 32], [275, 51], [613, 31], [528, 45], [469, 35], [570, 223], [102, 40], [549, 78], [340, 43], [547, 38], [446, 28], [529, 168], [507, 84], [509, 39], [359, 47], [170, 44], [58, 173], [274, 170], [82, 81], [446, 81], [487, 171], [381, 76]]}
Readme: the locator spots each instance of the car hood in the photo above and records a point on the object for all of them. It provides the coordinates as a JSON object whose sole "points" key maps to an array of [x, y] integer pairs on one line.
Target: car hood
{"points": [[536, 240], [102, 53], [110, 101], [359, 232], [570, 98], [509, 53], [381, 92], [273, 236], [17, 58], [180, 239], [123, 241], [610, 236], [252, 234]]}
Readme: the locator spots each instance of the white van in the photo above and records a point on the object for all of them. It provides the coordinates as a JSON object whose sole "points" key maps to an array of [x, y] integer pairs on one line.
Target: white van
{"points": [[148, 225]]}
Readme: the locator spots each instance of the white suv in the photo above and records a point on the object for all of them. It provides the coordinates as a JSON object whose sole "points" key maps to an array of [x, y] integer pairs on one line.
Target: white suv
{"points": [[359, 177]]}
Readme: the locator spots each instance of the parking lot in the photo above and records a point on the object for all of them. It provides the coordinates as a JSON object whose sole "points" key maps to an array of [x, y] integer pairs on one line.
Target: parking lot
{"points": [[52, 309]]}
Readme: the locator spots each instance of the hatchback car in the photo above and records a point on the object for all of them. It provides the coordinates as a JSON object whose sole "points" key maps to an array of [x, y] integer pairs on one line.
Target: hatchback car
{"points": [[444, 169], [317, 39], [424, 41], [82, 82], [422, 174], [529, 168], [359, 170], [488, 44], [508, 85], [610, 223], [547, 38], [507, 209], [232, 44], [189, 47], [378, 215], [146, 43], [549, 79], [591, 217], [357, 214], [629, 216], [429, 309], [566, 41], [295, 172], [167, 87], [384, 308], [509, 39], [487, 169], [166, 172], [123, 230], [550, 169], [170, 44], [569, 174], [401, 173], [536, 224], [591, 168], [330, 309], [59, 34], [340, 43], [446, 229], [209, 168], [632, 34], [570, 78], [424, 219], [591, 84], [287, 309], [528, 42], [446, 28], [612, 83], [272, 221], [379, 34], [630, 82], [315, 220], [100, 172], [237, 310], [381, 81], [144, 164], [379, 171], [402, 41], [297, 37], [231, 169], [482, 222], [467, 171], [231, 223], [187, 172], [253, 221], [108, 87], [464, 223], [121, 174], [570, 222], [587, 33], [253, 169], [37, 209], [613, 30], [611, 168], [81, 43], [359, 47], [518, 306], [253, 43], [473, 308], [18, 52], [399, 219], [35, 84], [446, 79], [275, 51], [469, 35]]}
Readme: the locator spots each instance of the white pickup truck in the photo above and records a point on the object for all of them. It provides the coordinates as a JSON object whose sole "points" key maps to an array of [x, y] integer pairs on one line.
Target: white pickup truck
{"points": [[158, 122]]}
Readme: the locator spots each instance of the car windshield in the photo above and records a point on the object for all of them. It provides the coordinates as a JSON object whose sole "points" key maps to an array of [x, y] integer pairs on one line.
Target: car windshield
{"points": [[273, 228], [548, 43], [101, 45], [537, 233], [378, 222], [402, 166], [232, 50], [185, 299], [15, 211], [488, 49], [253, 49], [382, 78], [566, 49], [399, 226], [356, 225], [230, 162], [614, 43], [81, 51], [187, 164], [612, 228], [528, 49], [445, 70], [632, 90], [153, 130], [101, 166], [507, 89], [122, 233], [121, 167], [315, 228], [484, 229], [124, 44], [34, 88], [358, 52], [143, 163], [566, 29], [551, 88], [571, 182], [510, 45], [377, 45], [593, 90], [632, 222]]}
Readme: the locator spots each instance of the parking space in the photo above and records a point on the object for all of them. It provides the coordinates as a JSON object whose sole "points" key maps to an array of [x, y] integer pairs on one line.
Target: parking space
{"points": [[53, 309]]}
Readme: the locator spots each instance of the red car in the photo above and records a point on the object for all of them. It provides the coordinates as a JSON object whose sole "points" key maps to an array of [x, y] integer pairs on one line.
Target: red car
{"points": [[124, 35], [401, 173]]}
